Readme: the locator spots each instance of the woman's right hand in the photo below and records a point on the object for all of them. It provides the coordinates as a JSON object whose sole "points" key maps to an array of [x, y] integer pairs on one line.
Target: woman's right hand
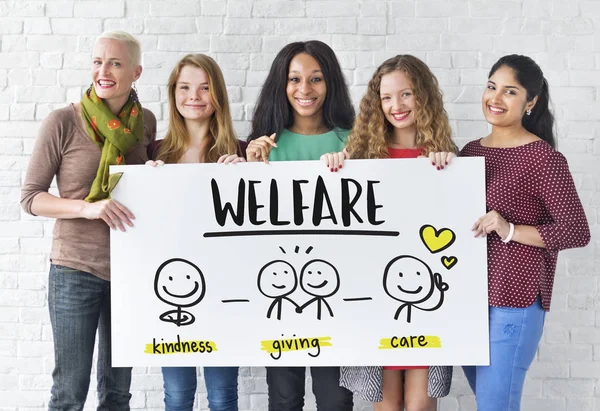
{"points": [[111, 211], [157, 163], [230, 159], [440, 159], [335, 161], [259, 149]]}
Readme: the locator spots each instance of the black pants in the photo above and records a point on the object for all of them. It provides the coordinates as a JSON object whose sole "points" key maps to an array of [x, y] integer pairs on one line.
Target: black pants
{"points": [[286, 389]]}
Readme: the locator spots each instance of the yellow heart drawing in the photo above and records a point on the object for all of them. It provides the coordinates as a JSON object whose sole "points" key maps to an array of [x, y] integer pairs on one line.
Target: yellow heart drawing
{"points": [[436, 240], [449, 262]]}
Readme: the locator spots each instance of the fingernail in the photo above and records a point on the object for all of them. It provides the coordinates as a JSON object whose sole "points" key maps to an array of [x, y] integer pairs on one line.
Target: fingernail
{"points": [[438, 168], [336, 169], [446, 163], [340, 167], [442, 167], [331, 169], [432, 164]]}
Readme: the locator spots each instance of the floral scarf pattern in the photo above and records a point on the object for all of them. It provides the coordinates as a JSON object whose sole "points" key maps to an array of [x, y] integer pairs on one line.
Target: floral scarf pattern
{"points": [[114, 135]]}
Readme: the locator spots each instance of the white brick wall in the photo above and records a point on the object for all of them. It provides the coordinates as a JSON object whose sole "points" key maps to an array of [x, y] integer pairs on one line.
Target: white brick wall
{"points": [[44, 50]]}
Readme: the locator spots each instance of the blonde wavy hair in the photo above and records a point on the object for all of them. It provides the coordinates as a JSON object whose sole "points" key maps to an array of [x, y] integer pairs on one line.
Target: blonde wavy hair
{"points": [[221, 138], [372, 133]]}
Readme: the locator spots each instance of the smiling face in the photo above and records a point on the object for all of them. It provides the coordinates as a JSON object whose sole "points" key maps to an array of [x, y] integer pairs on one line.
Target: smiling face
{"points": [[408, 279], [112, 71], [398, 100], [319, 278], [179, 283], [277, 279], [504, 101], [192, 96], [306, 89]]}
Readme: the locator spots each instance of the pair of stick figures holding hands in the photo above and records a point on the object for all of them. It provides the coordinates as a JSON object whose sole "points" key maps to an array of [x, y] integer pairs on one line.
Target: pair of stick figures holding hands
{"points": [[318, 278]]}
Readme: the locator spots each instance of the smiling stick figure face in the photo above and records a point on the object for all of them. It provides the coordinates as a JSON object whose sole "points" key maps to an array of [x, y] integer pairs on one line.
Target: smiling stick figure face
{"points": [[277, 279], [319, 278], [179, 282], [408, 279]]}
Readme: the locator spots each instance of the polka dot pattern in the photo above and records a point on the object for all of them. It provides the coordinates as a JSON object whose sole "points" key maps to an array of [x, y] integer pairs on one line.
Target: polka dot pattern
{"points": [[529, 185]]}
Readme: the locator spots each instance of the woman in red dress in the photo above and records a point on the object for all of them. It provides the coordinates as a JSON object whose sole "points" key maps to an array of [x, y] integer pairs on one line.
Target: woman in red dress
{"points": [[401, 116]]}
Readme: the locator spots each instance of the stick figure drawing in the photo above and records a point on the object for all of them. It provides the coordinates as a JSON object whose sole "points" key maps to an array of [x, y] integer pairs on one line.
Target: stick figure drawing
{"points": [[179, 283], [277, 280], [319, 279], [410, 281]]}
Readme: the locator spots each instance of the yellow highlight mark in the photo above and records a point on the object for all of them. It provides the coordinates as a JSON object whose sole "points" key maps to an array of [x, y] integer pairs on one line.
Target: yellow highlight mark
{"points": [[294, 344], [411, 341]]}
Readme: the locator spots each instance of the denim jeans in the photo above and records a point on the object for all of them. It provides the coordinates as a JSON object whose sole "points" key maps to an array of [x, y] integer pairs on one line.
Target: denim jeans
{"points": [[515, 334], [221, 388], [286, 389], [79, 304]]}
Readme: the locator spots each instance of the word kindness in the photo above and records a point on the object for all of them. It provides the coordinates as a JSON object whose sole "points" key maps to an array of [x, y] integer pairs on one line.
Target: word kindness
{"points": [[178, 347], [320, 209]]}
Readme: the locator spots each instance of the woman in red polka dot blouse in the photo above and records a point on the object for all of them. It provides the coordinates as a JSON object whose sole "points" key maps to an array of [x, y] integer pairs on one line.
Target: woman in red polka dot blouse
{"points": [[533, 212]]}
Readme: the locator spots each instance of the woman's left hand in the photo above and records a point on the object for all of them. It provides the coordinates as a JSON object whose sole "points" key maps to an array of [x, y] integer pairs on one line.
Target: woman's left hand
{"points": [[489, 223], [335, 161], [231, 159], [440, 159]]}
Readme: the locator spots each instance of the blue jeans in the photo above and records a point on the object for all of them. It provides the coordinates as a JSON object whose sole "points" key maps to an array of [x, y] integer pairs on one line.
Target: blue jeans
{"points": [[286, 389], [515, 334], [221, 388], [79, 304]]}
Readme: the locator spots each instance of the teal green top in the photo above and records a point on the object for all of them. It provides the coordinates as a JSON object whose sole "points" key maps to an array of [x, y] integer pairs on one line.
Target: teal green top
{"points": [[295, 147]]}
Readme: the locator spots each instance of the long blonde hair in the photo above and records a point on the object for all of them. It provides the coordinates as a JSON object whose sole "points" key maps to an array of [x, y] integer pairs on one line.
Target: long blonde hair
{"points": [[221, 137], [372, 133]]}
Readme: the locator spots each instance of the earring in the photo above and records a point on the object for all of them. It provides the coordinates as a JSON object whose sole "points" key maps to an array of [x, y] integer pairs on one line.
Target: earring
{"points": [[133, 95], [529, 112]]}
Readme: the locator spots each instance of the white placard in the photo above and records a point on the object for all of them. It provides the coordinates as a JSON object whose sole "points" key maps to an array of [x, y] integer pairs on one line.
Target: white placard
{"points": [[290, 264]]}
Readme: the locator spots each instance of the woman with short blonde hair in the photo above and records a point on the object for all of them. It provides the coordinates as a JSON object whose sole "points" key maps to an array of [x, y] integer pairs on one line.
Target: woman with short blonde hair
{"points": [[78, 144]]}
